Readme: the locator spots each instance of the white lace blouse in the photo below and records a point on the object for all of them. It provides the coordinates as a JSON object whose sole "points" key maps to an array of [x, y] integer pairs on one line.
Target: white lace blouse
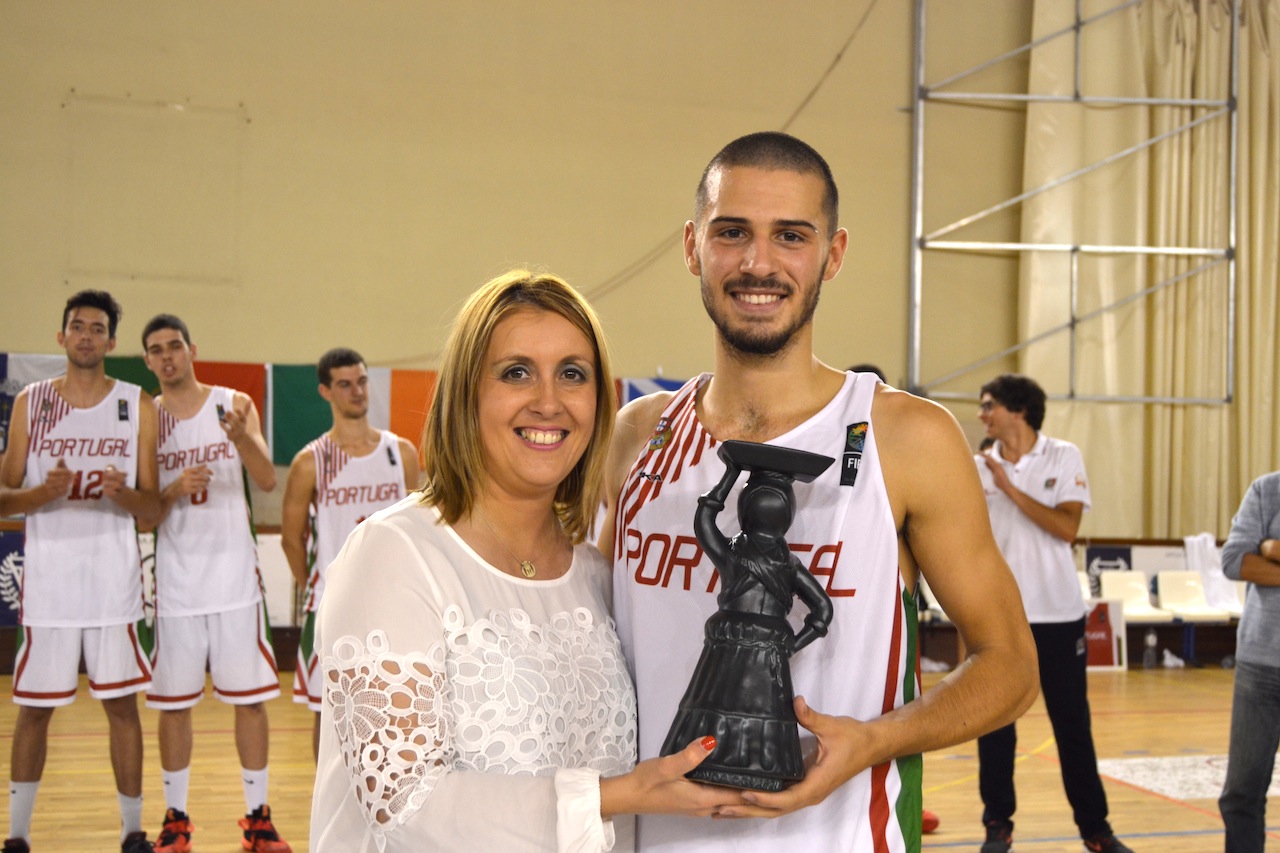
{"points": [[465, 709]]}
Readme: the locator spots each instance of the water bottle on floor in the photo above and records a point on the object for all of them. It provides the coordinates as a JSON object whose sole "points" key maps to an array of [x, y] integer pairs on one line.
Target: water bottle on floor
{"points": [[1150, 660]]}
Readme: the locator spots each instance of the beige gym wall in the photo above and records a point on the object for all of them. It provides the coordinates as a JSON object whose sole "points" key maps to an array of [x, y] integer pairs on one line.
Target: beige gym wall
{"points": [[291, 176]]}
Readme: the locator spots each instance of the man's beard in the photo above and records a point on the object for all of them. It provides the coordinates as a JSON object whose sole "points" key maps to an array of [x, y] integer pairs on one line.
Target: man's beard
{"points": [[750, 340]]}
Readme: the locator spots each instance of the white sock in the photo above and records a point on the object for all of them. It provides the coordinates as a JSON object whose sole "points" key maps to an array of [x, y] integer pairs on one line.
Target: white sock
{"points": [[130, 814], [255, 788], [22, 802], [176, 783]]}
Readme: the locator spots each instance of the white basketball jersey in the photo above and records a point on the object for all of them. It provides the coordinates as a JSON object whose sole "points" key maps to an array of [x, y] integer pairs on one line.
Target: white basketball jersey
{"points": [[665, 589], [82, 565], [206, 559], [349, 489]]}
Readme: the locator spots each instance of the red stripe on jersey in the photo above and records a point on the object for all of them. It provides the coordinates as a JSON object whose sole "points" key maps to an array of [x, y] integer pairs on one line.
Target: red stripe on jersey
{"points": [[879, 814], [21, 590], [159, 697], [263, 647], [895, 651], [670, 415], [27, 694], [681, 415], [696, 440], [330, 460], [254, 692], [143, 665], [46, 409], [686, 433], [880, 811], [22, 658], [116, 685], [168, 423]]}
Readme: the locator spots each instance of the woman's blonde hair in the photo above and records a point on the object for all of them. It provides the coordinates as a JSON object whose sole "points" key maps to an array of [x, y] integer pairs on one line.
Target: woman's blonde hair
{"points": [[453, 456]]}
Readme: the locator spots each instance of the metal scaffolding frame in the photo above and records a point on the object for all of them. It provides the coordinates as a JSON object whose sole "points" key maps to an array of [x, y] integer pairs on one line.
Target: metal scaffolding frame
{"points": [[1213, 257]]}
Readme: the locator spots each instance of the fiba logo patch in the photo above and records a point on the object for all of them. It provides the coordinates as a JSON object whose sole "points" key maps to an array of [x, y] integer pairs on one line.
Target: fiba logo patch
{"points": [[854, 441]]}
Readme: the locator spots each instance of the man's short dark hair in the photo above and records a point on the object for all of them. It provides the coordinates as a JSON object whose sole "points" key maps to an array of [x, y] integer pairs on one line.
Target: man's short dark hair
{"points": [[99, 299], [774, 151], [336, 357], [165, 321], [1019, 393]]}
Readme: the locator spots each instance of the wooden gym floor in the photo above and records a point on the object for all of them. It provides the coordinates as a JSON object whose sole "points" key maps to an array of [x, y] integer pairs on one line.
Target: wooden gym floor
{"points": [[77, 810], [1160, 736]]}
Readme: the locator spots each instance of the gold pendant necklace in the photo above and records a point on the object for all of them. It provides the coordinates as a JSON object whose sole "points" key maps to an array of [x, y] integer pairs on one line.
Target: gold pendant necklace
{"points": [[527, 568]]}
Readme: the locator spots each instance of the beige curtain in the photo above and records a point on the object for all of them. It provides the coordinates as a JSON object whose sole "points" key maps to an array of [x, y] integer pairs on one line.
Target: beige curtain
{"points": [[1157, 470]]}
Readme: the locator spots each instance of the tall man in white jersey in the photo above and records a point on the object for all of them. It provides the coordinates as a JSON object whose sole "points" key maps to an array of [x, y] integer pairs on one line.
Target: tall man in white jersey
{"points": [[902, 501], [209, 607], [81, 464], [335, 482]]}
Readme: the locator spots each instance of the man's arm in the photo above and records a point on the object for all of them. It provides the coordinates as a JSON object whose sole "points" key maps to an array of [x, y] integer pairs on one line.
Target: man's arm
{"points": [[1062, 521], [946, 535], [244, 428], [143, 500], [1248, 554], [635, 425], [409, 460], [299, 489], [1262, 568], [13, 468]]}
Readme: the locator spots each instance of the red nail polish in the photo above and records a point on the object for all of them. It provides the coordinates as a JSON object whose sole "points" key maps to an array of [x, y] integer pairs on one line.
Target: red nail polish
{"points": [[709, 743]]}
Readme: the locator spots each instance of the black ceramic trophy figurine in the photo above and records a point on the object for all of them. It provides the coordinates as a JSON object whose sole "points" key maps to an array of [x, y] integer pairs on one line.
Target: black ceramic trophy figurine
{"points": [[741, 688]]}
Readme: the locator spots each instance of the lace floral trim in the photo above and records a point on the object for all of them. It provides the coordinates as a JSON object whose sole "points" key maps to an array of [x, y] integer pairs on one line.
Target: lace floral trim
{"points": [[393, 725], [502, 695]]}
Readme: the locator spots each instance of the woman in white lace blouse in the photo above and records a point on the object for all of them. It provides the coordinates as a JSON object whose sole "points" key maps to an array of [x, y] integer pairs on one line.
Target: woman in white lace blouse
{"points": [[475, 694]]}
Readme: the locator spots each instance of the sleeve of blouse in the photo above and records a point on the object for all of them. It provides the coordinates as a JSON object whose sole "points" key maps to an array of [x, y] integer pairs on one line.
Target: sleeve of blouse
{"points": [[381, 637]]}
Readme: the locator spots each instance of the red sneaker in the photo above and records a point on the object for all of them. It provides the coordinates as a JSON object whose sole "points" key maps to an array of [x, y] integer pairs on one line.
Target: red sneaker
{"points": [[928, 822], [260, 834], [175, 835]]}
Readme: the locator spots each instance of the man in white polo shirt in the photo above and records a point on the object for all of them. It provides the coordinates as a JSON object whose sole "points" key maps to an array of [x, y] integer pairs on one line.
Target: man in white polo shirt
{"points": [[1037, 493]]}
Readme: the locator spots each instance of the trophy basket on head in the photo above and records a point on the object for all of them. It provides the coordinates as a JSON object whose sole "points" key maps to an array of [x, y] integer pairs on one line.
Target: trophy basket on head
{"points": [[741, 690]]}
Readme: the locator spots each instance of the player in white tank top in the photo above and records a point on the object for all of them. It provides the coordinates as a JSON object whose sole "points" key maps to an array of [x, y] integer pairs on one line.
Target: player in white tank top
{"points": [[349, 489], [80, 464], [82, 565], [763, 241], [336, 481], [206, 560], [665, 588], [208, 588]]}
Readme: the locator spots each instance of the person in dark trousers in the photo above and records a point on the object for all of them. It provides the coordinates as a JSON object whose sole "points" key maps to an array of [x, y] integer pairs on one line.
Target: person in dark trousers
{"points": [[1037, 492]]}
